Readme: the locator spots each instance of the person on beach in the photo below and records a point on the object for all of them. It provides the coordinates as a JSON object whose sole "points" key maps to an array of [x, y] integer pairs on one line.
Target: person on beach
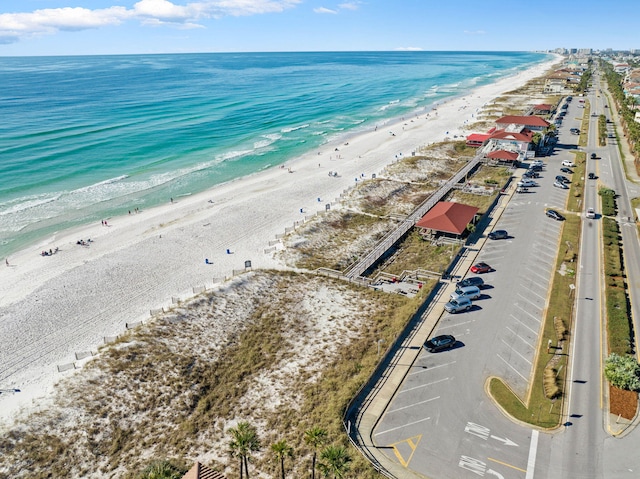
{"points": [[6, 261]]}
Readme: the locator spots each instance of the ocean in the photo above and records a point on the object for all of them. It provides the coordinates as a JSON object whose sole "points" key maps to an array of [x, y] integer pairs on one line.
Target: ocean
{"points": [[85, 138]]}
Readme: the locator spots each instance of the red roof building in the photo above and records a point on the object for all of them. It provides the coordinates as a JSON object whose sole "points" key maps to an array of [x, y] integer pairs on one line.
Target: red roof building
{"points": [[532, 122], [476, 140], [448, 217], [503, 155], [542, 109]]}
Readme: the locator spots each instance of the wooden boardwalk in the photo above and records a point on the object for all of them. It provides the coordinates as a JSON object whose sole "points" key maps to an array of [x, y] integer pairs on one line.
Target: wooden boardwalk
{"points": [[363, 264]]}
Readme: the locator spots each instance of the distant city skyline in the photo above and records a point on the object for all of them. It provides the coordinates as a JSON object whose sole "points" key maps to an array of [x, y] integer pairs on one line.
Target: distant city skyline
{"points": [[83, 27]]}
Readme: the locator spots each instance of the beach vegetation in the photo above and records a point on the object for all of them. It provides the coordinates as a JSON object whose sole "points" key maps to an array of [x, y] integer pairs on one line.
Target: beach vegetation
{"points": [[281, 450]]}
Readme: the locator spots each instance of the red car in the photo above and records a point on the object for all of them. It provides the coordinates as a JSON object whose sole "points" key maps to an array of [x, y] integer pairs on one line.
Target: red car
{"points": [[480, 268]]}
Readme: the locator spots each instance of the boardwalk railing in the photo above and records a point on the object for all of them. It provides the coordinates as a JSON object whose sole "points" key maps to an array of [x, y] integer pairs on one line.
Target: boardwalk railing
{"points": [[358, 268]]}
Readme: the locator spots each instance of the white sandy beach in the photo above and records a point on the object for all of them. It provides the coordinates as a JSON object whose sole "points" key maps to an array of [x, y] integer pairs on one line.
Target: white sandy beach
{"points": [[55, 306]]}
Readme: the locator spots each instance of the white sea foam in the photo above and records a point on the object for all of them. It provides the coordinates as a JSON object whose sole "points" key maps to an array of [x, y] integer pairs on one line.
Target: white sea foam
{"points": [[294, 128]]}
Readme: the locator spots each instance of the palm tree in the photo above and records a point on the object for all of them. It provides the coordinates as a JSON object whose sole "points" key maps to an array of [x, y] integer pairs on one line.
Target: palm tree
{"points": [[334, 462], [244, 441], [315, 437], [281, 449]]}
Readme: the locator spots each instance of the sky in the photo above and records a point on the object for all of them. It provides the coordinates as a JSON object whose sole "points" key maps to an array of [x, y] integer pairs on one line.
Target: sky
{"points": [[96, 27]]}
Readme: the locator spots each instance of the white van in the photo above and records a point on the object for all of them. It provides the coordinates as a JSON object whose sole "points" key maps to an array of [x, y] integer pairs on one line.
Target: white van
{"points": [[471, 292]]}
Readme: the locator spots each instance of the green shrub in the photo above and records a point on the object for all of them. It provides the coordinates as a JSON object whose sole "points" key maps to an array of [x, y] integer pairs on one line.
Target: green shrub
{"points": [[622, 372]]}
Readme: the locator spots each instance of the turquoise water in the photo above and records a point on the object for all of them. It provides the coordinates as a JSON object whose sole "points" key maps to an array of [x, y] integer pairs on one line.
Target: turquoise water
{"points": [[86, 138]]}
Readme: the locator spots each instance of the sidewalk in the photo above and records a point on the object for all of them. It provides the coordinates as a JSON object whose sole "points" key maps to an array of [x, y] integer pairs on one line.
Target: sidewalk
{"points": [[373, 406]]}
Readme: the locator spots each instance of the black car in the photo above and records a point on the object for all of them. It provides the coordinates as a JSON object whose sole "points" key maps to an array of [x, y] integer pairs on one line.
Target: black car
{"points": [[592, 176], [440, 343], [498, 234], [555, 215], [566, 170], [531, 174], [471, 281], [593, 156], [562, 179]]}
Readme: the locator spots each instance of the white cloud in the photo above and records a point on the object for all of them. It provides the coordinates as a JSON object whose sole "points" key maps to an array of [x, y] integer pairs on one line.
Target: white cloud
{"points": [[349, 6], [408, 49], [324, 10], [16, 26]]}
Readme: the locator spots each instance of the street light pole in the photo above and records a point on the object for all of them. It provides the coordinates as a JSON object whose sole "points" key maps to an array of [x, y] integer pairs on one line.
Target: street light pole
{"points": [[379, 342]]}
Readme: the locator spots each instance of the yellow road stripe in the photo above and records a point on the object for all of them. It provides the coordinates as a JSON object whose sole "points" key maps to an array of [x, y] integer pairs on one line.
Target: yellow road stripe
{"points": [[505, 464]]}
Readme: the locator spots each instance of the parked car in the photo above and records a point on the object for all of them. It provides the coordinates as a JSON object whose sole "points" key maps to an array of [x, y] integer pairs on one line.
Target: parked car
{"points": [[479, 268], [591, 213], [526, 182], [458, 305], [561, 185], [568, 171], [568, 163], [498, 234], [471, 281], [471, 292], [592, 176], [555, 215], [562, 179], [440, 343]]}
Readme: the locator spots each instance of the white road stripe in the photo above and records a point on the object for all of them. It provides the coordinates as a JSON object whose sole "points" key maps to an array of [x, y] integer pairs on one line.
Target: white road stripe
{"points": [[423, 386], [533, 449], [413, 405], [515, 370], [403, 426]]}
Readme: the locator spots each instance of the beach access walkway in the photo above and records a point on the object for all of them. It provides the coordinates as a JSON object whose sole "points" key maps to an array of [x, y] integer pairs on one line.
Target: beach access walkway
{"points": [[357, 269], [370, 404]]}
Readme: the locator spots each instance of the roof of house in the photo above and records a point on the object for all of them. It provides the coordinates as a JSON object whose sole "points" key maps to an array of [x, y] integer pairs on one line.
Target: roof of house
{"points": [[448, 217], [478, 137], [200, 471], [525, 136], [503, 155], [529, 120], [543, 106]]}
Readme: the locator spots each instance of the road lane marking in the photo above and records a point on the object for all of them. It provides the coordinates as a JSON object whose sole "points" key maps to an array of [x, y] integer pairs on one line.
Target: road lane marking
{"points": [[477, 430], [413, 405], [533, 449], [534, 293], [453, 325], [403, 426], [515, 351], [537, 320], [423, 386], [516, 371], [506, 464]]}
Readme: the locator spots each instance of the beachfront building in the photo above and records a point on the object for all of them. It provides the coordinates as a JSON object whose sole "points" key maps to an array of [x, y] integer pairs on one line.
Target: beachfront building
{"points": [[542, 109], [447, 221], [521, 122], [503, 157]]}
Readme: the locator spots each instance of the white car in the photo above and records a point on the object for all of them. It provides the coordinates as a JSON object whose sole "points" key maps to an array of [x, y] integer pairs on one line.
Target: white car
{"points": [[537, 163], [591, 213], [526, 182], [559, 184], [568, 163]]}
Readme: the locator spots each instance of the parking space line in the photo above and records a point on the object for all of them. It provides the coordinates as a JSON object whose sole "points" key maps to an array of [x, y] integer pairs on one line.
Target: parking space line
{"points": [[422, 386], [543, 278], [534, 332], [403, 426], [423, 369], [413, 405], [533, 292], [515, 351], [520, 337], [454, 325], [515, 370], [537, 320]]}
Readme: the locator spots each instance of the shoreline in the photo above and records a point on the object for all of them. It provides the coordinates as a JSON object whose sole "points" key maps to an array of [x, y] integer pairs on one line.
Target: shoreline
{"points": [[55, 306]]}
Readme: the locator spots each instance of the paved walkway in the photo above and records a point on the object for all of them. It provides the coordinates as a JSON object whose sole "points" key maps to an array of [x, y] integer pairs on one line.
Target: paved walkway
{"points": [[363, 421]]}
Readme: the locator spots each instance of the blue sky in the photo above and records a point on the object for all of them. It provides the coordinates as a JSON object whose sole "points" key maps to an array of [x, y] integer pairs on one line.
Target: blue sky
{"points": [[80, 27]]}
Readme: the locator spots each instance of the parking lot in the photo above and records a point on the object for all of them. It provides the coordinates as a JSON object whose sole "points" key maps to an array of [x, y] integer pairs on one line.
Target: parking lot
{"points": [[499, 336]]}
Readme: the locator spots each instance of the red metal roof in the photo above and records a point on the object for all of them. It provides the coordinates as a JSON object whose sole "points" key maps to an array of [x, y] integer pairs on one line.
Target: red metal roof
{"points": [[478, 137], [525, 136], [448, 217], [503, 155], [526, 120], [543, 106]]}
